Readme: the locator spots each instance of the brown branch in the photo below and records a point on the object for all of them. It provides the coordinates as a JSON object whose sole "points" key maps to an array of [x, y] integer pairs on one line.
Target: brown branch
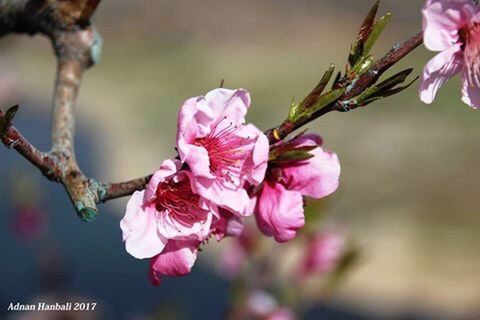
{"points": [[117, 190], [11, 138]]}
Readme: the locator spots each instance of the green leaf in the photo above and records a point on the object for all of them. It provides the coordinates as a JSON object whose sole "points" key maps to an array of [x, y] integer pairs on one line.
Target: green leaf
{"points": [[326, 99], [384, 89], [363, 65], [316, 93], [396, 79], [358, 49], [399, 89], [377, 31], [294, 111], [337, 79], [294, 156], [288, 147]]}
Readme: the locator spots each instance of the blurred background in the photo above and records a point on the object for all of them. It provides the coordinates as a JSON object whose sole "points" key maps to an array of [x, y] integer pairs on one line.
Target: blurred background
{"points": [[409, 189]]}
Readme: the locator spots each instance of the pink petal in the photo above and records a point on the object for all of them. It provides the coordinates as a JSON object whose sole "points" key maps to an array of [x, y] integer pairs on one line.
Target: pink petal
{"points": [[177, 259], [236, 201], [194, 119], [317, 177], [279, 212], [439, 70], [185, 229], [256, 164], [139, 229], [167, 169], [227, 225], [442, 19], [470, 92], [198, 160], [229, 104]]}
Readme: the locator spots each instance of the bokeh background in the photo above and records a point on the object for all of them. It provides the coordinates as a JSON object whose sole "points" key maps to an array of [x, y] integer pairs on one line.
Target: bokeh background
{"points": [[410, 178]]}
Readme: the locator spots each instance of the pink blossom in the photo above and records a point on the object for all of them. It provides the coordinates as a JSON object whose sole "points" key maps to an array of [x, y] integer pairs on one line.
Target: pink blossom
{"points": [[167, 210], [176, 260], [279, 209], [226, 225], [453, 28], [30, 223], [9, 85], [237, 252], [322, 254], [263, 305], [222, 152], [232, 260], [281, 314]]}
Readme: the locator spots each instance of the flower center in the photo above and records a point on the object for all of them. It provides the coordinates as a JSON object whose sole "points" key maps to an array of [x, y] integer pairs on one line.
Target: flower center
{"points": [[470, 38], [175, 197], [227, 151]]}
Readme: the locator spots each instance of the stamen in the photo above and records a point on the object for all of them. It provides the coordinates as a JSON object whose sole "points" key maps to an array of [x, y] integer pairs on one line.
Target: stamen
{"points": [[176, 199], [470, 38], [227, 151]]}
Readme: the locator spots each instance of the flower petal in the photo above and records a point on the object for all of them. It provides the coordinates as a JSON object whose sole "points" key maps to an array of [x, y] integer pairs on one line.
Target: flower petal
{"points": [[194, 119], [231, 105], [438, 71], [139, 229], [442, 19], [279, 212], [317, 177], [167, 169], [235, 200], [470, 92], [185, 229], [227, 225], [177, 259], [256, 164], [197, 159]]}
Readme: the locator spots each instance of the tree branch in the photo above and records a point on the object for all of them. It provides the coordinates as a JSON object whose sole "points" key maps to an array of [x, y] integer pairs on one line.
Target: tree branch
{"points": [[11, 138]]}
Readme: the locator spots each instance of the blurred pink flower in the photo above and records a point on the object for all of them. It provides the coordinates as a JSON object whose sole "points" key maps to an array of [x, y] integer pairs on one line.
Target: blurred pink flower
{"points": [[452, 27], [279, 209], [166, 210], [29, 223], [232, 260], [322, 254], [237, 252], [281, 314], [176, 260], [261, 304], [8, 83], [222, 152]]}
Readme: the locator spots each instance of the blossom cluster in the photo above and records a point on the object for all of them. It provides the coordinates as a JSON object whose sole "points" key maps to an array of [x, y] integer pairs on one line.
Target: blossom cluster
{"points": [[225, 171]]}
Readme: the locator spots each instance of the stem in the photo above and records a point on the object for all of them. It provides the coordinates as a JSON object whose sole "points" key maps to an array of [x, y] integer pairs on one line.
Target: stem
{"points": [[11, 138]]}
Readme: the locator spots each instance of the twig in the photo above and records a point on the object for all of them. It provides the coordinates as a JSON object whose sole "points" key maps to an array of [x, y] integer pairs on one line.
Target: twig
{"points": [[11, 138], [358, 86]]}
